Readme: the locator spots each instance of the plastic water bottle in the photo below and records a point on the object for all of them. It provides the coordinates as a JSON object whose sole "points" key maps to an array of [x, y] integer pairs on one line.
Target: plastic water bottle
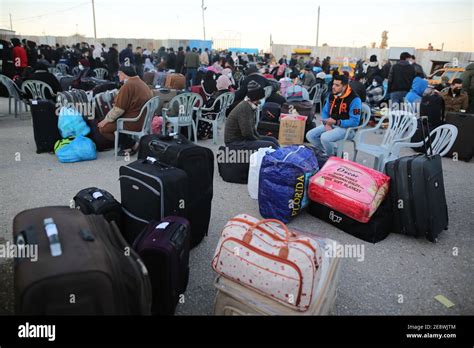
{"points": [[52, 232]]}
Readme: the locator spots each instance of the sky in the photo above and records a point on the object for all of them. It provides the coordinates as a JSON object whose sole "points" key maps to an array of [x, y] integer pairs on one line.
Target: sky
{"points": [[411, 23]]}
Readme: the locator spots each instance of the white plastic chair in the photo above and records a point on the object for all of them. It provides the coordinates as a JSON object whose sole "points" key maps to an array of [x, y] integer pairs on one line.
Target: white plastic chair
{"points": [[147, 112], [36, 88], [13, 93], [401, 127], [55, 71], [225, 100], [186, 103], [443, 138], [351, 131], [318, 93], [100, 73], [76, 71], [63, 68]]}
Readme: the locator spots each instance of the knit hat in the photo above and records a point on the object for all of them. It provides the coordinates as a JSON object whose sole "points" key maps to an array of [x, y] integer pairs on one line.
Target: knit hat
{"points": [[223, 83], [373, 58], [128, 70], [255, 91]]}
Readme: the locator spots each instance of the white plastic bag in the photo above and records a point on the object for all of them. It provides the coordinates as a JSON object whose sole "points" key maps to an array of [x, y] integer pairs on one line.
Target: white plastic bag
{"points": [[254, 170]]}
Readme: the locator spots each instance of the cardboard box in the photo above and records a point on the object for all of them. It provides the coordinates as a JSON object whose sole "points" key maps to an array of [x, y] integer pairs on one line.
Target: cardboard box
{"points": [[292, 129]]}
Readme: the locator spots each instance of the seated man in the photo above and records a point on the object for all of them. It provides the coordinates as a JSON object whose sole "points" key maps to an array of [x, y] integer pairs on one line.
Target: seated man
{"points": [[375, 92], [454, 98], [128, 103], [341, 111], [240, 125]]}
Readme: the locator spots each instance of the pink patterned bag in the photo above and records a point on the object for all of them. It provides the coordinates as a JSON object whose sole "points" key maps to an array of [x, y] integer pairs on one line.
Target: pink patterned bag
{"points": [[349, 188], [268, 258]]}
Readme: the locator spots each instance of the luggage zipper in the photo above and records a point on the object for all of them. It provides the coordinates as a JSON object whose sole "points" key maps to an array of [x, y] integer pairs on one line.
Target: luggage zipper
{"points": [[157, 179], [138, 266], [117, 273], [261, 229], [273, 257], [134, 216], [412, 198]]}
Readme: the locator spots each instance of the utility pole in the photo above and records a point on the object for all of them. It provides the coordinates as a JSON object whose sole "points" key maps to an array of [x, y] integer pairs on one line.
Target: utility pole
{"points": [[93, 15], [317, 29], [203, 8], [11, 25]]}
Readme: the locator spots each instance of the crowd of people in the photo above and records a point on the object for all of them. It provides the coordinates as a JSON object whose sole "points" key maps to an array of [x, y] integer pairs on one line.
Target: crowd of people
{"points": [[246, 74]]}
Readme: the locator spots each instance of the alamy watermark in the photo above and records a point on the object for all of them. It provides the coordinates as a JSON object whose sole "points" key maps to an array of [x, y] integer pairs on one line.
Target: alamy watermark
{"points": [[234, 155], [22, 251], [355, 251]]}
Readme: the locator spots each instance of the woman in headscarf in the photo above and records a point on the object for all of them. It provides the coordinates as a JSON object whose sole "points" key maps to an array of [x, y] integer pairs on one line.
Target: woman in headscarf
{"points": [[209, 83], [148, 65], [223, 85]]}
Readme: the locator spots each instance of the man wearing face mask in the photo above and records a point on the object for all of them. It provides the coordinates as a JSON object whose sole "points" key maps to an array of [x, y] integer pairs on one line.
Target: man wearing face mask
{"points": [[128, 103], [341, 110], [375, 92], [455, 99], [240, 130]]}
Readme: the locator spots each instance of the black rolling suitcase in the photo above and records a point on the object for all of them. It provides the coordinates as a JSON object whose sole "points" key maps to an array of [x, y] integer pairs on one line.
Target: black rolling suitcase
{"points": [[149, 191], [45, 125], [418, 196], [164, 248], [463, 147], [198, 163], [93, 200], [80, 270], [377, 229]]}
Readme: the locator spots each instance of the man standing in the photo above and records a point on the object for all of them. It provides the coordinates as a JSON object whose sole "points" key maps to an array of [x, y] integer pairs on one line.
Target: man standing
{"points": [[454, 98], [204, 58], [418, 68], [139, 61], [468, 85], [112, 61], [171, 64], [20, 59], [191, 63], [126, 56], [400, 78], [341, 111]]}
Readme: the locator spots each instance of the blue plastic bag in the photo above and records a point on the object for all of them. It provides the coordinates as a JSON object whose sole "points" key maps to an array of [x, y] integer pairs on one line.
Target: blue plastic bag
{"points": [[71, 123], [284, 180], [80, 149]]}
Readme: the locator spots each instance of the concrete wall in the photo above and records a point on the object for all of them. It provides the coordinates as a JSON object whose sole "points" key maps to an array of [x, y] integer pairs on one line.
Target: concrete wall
{"points": [[423, 57]]}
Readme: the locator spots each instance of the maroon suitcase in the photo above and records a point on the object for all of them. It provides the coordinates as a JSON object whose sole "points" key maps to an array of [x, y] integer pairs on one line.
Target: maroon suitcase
{"points": [[164, 248]]}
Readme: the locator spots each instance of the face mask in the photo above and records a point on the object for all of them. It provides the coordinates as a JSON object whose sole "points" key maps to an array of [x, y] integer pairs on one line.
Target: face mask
{"points": [[374, 83], [81, 67], [411, 62]]}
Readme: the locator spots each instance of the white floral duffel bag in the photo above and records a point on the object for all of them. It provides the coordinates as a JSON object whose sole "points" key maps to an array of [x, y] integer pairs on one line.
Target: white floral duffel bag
{"points": [[265, 256]]}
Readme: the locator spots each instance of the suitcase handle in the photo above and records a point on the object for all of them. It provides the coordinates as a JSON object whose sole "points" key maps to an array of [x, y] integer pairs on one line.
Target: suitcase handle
{"points": [[423, 120], [284, 251], [264, 221], [158, 147]]}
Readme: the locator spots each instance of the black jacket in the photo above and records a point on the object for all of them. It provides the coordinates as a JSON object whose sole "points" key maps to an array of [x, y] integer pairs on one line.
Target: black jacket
{"points": [[180, 62], [386, 70], [171, 64], [359, 89], [401, 77], [112, 60]]}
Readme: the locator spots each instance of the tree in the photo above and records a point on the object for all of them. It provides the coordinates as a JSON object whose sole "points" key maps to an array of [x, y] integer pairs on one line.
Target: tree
{"points": [[384, 44]]}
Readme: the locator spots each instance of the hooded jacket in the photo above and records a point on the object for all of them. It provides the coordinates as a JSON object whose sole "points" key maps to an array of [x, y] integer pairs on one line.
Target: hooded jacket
{"points": [[417, 89], [346, 109]]}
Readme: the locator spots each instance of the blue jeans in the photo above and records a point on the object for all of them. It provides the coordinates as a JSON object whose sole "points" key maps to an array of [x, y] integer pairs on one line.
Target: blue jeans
{"points": [[324, 140], [397, 97], [190, 75]]}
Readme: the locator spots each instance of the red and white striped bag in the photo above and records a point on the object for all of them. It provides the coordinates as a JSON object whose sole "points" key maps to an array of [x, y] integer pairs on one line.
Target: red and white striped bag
{"points": [[268, 258]]}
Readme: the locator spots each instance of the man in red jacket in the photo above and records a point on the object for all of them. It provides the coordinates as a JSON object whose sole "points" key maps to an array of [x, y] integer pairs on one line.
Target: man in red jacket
{"points": [[20, 59]]}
